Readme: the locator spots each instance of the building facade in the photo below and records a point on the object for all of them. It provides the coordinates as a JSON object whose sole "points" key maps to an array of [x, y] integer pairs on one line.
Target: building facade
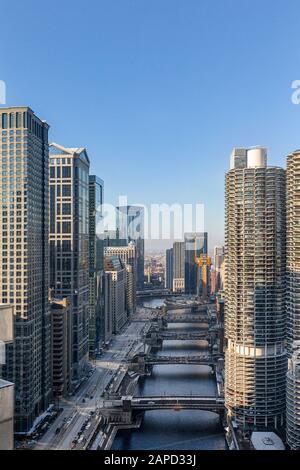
{"points": [[115, 292], [6, 415], [293, 300], [128, 256], [130, 224], [61, 347], [69, 243], [24, 259], [195, 245], [178, 267], [255, 257], [96, 271], [169, 269]]}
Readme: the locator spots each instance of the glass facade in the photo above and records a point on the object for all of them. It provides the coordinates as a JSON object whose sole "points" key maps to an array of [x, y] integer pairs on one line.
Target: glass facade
{"points": [[69, 242]]}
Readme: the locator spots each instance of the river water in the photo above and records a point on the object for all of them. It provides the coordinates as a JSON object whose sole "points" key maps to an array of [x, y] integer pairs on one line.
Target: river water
{"points": [[171, 429]]}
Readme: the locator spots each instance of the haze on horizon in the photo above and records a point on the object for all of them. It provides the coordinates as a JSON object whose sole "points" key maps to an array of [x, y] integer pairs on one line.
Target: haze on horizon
{"points": [[158, 92]]}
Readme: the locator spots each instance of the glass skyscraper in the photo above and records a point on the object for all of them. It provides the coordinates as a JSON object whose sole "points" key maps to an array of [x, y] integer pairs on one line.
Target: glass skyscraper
{"points": [[130, 224], [195, 245], [96, 264], [69, 243]]}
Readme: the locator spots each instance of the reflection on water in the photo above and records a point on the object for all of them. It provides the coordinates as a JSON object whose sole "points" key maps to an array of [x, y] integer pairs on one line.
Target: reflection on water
{"points": [[170, 429]]}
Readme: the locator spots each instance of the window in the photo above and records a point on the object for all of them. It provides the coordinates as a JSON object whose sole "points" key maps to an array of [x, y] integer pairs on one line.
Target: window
{"points": [[66, 190], [66, 172]]}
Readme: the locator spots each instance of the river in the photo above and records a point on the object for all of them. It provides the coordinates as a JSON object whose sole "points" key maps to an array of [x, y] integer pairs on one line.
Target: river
{"points": [[170, 429]]}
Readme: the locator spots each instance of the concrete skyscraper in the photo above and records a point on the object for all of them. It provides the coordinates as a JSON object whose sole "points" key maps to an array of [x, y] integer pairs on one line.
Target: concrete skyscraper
{"points": [[69, 243], [293, 300], [255, 260], [115, 293], [127, 255], [96, 268], [178, 267], [24, 260]]}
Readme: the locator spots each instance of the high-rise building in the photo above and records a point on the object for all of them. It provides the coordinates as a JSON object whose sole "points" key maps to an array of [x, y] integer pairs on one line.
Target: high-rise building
{"points": [[127, 255], [219, 256], [293, 300], [69, 243], [96, 271], [130, 223], [255, 356], [24, 260], [178, 267], [115, 293], [169, 269], [195, 245], [6, 415], [61, 347]]}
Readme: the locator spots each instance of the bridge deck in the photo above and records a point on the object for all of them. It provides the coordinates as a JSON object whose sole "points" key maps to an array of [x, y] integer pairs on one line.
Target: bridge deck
{"points": [[211, 403]]}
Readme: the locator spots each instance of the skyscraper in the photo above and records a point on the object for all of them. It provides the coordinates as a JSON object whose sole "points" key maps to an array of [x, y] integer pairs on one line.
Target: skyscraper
{"points": [[169, 269], [96, 271], [69, 242], [255, 357], [195, 245], [219, 257], [178, 267], [293, 300], [115, 292], [24, 259], [127, 255], [130, 223]]}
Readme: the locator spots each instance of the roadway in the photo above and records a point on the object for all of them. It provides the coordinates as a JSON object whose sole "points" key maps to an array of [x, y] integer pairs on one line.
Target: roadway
{"points": [[77, 408]]}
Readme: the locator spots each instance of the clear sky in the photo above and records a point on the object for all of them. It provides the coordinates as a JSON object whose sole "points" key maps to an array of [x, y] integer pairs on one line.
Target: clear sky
{"points": [[159, 91]]}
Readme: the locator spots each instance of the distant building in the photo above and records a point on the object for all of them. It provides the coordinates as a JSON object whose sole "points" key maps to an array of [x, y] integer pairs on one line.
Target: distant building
{"points": [[130, 223], [96, 268], [115, 292], [178, 267], [195, 245], [169, 269], [61, 347], [219, 256], [69, 243], [127, 254], [6, 415]]}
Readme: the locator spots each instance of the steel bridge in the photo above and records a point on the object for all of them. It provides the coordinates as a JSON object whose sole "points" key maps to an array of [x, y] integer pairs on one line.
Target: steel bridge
{"points": [[165, 360], [177, 403], [179, 336], [187, 318]]}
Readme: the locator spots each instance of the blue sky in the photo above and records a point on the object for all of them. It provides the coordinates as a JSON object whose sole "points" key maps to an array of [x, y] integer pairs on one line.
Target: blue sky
{"points": [[159, 91]]}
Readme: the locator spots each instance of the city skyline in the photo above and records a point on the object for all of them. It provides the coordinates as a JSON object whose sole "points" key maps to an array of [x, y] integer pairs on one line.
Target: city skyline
{"points": [[150, 227], [170, 80]]}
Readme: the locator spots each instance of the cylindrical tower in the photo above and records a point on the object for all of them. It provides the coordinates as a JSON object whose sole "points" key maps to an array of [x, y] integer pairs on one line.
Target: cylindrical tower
{"points": [[293, 299], [255, 357]]}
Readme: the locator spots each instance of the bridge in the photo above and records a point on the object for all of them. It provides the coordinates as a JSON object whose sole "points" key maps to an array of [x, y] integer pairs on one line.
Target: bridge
{"points": [[145, 294], [159, 336], [183, 318], [176, 403], [166, 360]]}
